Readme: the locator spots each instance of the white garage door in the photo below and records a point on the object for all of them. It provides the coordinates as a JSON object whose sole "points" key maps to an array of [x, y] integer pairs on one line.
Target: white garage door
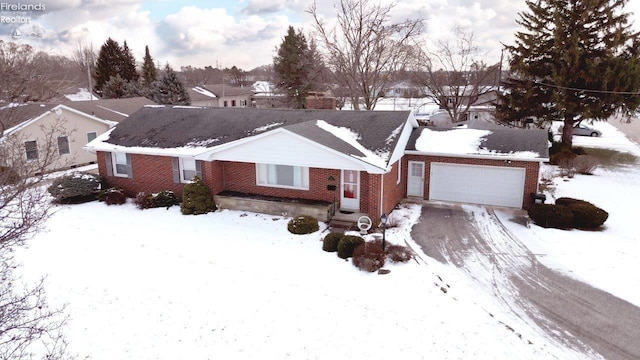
{"points": [[489, 185]]}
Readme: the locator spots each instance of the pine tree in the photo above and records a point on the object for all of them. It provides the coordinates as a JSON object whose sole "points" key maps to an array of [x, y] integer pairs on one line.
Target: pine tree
{"points": [[149, 72], [128, 72], [574, 60], [291, 67], [169, 90], [109, 63]]}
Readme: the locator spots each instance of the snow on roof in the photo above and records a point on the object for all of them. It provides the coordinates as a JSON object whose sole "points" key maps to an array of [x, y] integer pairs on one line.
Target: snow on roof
{"points": [[204, 91], [265, 128], [462, 141], [352, 138], [192, 149], [82, 95]]}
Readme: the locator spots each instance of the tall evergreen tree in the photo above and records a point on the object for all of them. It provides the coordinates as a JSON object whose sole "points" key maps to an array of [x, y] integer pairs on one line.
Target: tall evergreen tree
{"points": [[169, 89], [128, 72], [291, 67], [109, 63], [149, 72], [574, 60]]}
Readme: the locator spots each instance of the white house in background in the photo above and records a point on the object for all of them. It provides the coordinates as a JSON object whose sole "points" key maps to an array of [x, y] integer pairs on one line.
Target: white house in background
{"points": [[64, 129], [220, 95]]}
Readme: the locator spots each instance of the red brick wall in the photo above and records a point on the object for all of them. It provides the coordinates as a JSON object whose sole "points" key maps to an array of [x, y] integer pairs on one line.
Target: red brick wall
{"points": [[394, 192], [155, 173], [241, 177], [532, 170]]}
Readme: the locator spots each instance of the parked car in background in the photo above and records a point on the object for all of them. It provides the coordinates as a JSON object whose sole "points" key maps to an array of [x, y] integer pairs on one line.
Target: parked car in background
{"points": [[583, 130]]}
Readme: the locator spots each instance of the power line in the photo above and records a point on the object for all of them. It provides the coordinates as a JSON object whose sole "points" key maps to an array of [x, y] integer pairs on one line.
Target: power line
{"points": [[588, 90]]}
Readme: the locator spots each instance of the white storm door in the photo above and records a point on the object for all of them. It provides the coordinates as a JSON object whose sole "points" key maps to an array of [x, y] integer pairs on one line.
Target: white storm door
{"points": [[350, 194], [415, 179]]}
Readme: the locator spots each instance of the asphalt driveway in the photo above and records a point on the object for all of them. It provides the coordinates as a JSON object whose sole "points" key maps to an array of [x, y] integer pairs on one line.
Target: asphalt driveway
{"points": [[588, 320]]}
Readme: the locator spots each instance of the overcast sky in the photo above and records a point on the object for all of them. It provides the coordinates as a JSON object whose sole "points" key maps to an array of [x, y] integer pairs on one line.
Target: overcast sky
{"points": [[223, 33]]}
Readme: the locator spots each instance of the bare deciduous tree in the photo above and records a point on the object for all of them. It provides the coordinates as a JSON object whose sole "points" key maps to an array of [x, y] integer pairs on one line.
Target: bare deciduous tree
{"points": [[84, 56], [365, 47], [29, 328], [455, 75]]}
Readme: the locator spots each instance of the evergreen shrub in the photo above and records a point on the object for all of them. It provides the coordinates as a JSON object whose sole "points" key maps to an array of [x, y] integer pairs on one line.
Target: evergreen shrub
{"points": [[330, 242], [347, 244], [76, 187], [551, 216], [585, 214], [303, 225], [196, 198]]}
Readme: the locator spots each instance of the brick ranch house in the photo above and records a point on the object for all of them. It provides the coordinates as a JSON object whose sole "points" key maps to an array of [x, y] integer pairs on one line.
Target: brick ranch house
{"points": [[360, 162]]}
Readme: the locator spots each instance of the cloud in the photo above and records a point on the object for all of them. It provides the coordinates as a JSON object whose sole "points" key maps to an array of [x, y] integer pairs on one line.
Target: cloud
{"points": [[265, 7]]}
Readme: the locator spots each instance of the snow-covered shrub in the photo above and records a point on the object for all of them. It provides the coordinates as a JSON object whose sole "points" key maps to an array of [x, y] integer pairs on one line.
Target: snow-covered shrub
{"points": [[76, 187], [330, 242], [303, 225], [368, 256], [346, 245], [142, 200], [196, 198], [164, 198], [113, 196], [585, 214]]}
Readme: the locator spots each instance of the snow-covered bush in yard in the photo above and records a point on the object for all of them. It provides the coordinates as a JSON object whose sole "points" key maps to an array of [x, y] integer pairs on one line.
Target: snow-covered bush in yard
{"points": [[196, 198], [76, 187], [113, 196], [164, 198], [398, 253], [303, 225], [585, 164]]}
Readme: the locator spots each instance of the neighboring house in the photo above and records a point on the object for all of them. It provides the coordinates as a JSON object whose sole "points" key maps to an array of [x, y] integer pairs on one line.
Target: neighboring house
{"points": [[364, 162], [67, 127], [220, 95]]}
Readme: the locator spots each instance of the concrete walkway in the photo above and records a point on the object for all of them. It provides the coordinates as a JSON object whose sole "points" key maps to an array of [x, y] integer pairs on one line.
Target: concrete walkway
{"points": [[588, 320]]}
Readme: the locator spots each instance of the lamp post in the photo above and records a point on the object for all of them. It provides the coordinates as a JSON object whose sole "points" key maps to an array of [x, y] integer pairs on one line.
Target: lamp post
{"points": [[383, 220]]}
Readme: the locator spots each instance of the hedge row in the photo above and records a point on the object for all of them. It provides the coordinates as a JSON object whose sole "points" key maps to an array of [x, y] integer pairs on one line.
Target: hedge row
{"points": [[568, 213]]}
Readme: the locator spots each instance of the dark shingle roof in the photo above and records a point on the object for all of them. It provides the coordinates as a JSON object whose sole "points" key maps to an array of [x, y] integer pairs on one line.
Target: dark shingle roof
{"points": [[166, 127], [502, 141], [14, 115], [110, 109]]}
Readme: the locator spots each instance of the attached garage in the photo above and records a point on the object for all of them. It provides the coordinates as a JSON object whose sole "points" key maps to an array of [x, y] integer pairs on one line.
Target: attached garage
{"points": [[497, 167], [477, 184]]}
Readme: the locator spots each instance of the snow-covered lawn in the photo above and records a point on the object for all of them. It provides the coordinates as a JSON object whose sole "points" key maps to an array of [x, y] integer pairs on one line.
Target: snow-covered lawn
{"points": [[154, 284]]}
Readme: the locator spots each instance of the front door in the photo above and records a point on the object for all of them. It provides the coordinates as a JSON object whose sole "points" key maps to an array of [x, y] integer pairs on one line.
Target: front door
{"points": [[350, 195], [415, 180]]}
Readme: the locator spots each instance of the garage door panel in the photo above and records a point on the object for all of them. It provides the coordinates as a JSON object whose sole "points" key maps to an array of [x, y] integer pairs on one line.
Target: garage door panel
{"points": [[490, 185]]}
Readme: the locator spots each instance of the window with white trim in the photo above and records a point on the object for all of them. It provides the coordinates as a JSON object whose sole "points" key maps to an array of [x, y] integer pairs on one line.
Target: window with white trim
{"points": [[63, 145], [187, 169], [286, 176], [399, 171], [31, 149], [120, 164], [91, 135]]}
